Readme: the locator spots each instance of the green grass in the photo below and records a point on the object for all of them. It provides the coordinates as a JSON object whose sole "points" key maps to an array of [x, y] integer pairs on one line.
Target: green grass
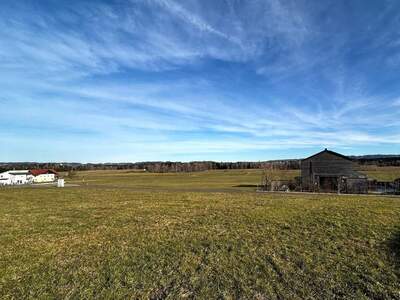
{"points": [[139, 235], [382, 173], [229, 180]]}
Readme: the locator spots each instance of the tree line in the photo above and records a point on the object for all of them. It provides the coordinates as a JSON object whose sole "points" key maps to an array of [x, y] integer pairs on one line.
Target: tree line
{"points": [[157, 167], [194, 166]]}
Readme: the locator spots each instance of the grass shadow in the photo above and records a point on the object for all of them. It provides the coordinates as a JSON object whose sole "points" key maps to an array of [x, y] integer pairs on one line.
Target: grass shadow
{"points": [[394, 248], [245, 185]]}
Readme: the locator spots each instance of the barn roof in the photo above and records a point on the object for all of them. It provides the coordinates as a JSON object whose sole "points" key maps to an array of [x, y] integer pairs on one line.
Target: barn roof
{"points": [[330, 152], [37, 172]]}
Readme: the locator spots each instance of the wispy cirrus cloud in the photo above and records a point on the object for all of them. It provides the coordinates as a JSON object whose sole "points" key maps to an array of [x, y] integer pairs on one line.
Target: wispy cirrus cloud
{"points": [[208, 78]]}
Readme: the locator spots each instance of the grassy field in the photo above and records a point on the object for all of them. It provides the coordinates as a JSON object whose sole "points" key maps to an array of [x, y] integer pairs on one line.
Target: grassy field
{"points": [[209, 180], [381, 173], [228, 180], [203, 235]]}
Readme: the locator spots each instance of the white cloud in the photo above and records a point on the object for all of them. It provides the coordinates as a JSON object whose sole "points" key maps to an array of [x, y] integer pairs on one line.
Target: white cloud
{"points": [[396, 102]]}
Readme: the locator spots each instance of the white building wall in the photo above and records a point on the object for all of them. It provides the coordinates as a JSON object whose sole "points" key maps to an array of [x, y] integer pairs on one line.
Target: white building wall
{"points": [[5, 178], [44, 178], [15, 177], [19, 179]]}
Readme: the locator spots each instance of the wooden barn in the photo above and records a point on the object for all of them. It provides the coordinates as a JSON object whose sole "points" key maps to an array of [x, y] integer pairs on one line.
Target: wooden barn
{"points": [[328, 171]]}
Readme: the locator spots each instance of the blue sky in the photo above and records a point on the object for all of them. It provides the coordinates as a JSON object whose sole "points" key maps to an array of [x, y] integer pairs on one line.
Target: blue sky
{"points": [[226, 80]]}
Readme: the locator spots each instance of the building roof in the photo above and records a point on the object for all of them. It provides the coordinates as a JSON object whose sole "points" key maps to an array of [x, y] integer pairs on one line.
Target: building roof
{"points": [[330, 152], [37, 172], [18, 172]]}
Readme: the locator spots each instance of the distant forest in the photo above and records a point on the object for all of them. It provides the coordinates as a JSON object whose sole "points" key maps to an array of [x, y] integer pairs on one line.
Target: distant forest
{"points": [[195, 166]]}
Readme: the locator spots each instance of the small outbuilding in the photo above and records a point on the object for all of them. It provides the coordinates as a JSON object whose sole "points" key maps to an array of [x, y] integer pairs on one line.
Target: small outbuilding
{"points": [[328, 171]]}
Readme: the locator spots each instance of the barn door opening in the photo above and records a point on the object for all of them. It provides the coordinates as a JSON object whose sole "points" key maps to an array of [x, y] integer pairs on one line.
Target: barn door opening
{"points": [[328, 184]]}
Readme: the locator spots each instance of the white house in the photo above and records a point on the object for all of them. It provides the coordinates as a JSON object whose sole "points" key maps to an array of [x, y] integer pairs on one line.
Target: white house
{"points": [[15, 177], [5, 178], [43, 175]]}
